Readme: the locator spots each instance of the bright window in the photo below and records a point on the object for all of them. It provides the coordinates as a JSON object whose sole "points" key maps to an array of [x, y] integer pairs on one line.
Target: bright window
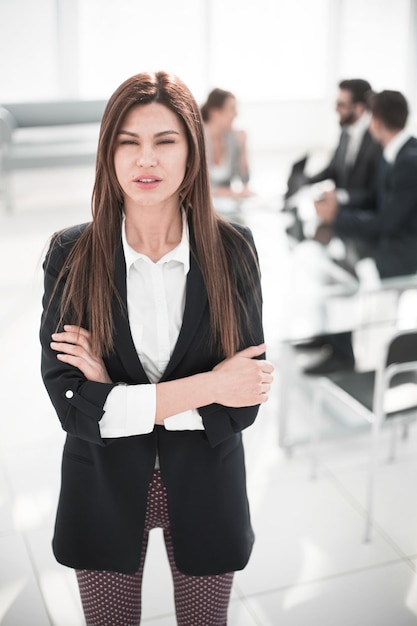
{"points": [[270, 50]]}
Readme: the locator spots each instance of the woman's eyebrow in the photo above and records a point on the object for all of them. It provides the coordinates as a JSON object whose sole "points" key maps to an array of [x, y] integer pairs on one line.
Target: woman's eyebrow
{"points": [[166, 132], [160, 134], [127, 132]]}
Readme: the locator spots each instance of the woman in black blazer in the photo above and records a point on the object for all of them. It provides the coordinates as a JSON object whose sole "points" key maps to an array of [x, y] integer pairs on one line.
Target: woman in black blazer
{"points": [[153, 357]]}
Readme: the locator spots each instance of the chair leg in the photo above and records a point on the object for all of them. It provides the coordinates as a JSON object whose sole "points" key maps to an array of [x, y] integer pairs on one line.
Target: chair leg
{"points": [[373, 463], [6, 191], [393, 446], [315, 431], [406, 430], [283, 403]]}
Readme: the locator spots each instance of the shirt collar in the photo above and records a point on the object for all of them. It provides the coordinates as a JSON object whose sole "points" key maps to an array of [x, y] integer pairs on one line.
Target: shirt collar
{"points": [[392, 148], [180, 253]]}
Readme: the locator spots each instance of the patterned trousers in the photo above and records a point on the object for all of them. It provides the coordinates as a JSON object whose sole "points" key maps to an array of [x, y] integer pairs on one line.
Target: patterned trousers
{"points": [[114, 599]]}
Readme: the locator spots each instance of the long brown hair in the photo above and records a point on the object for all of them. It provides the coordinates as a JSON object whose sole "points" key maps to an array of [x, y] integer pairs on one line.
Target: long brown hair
{"points": [[224, 256]]}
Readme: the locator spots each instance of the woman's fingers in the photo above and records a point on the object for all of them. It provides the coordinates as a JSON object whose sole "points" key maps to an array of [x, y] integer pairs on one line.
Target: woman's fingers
{"points": [[74, 341], [73, 335], [74, 348], [68, 348], [252, 351], [73, 354], [77, 329], [244, 380]]}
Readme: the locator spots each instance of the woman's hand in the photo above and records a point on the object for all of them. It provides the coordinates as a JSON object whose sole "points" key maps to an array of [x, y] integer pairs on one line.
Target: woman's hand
{"points": [[243, 380], [74, 347], [237, 382]]}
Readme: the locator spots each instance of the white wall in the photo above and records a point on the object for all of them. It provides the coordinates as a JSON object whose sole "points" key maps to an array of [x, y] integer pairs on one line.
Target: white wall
{"points": [[283, 59]]}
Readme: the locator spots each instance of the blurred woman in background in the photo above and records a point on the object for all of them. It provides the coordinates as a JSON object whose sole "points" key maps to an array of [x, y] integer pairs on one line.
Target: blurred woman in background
{"points": [[226, 146]]}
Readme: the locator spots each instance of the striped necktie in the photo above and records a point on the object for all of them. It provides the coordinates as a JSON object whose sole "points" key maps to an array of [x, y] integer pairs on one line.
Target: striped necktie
{"points": [[341, 165]]}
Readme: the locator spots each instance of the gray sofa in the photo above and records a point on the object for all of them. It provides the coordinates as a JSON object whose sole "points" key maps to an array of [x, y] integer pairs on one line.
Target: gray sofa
{"points": [[46, 134]]}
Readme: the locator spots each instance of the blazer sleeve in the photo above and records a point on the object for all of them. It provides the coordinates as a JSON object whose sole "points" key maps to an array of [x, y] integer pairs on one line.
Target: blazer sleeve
{"points": [[221, 422], [77, 401], [327, 173], [399, 205]]}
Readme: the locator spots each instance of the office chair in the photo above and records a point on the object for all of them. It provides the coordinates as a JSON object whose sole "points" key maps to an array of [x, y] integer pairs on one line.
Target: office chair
{"points": [[387, 395]]}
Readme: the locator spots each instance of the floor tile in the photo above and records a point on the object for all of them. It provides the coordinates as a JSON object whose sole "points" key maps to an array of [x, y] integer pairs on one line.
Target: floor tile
{"points": [[6, 505], [21, 601], [352, 450], [57, 583], [395, 491], [240, 614], [385, 596], [157, 590], [34, 479], [305, 531]]}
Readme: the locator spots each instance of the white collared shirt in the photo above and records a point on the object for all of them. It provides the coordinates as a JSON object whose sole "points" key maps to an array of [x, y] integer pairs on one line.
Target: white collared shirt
{"points": [[393, 147], [356, 134], [155, 303]]}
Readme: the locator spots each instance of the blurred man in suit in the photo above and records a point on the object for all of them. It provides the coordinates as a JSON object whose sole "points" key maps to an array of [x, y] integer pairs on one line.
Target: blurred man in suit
{"points": [[388, 222], [354, 164]]}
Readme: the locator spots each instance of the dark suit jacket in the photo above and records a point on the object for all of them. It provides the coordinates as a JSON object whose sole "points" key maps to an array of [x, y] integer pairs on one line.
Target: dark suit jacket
{"points": [[391, 230], [102, 504], [358, 180]]}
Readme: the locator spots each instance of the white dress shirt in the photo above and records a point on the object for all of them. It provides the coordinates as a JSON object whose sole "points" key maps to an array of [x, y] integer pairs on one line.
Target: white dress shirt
{"points": [[356, 133], [392, 148], [155, 303]]}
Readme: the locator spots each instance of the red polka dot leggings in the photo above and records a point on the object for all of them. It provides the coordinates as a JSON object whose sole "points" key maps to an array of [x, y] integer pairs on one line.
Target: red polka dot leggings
{"points": [[114, 599]]}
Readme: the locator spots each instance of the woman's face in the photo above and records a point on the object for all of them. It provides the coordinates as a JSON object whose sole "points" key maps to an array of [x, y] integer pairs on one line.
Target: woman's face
{"points": [[224, 117], [151, 157]]}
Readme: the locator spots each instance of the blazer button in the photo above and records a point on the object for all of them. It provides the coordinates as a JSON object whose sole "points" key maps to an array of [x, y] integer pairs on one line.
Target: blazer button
{"points": [[69, 393]]}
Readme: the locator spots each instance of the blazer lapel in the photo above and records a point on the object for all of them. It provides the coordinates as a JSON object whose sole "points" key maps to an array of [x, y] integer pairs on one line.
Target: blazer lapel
{"points": [[124, 345], [195, 305], [360, 157]]}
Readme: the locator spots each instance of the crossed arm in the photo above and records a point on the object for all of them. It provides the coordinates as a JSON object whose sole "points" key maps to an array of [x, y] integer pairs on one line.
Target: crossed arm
{"points": [[239, 381]]}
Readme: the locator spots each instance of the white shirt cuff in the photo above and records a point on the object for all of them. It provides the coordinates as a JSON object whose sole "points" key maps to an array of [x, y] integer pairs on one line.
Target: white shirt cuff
{"points": [[129, 410], [342, 196], [187, 420]]}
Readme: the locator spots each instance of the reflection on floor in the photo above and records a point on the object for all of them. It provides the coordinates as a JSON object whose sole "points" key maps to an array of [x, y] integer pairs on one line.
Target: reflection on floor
{"points": [[309, 564]]}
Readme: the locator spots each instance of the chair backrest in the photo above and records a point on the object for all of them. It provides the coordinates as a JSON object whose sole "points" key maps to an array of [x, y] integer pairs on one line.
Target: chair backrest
{"points": [[56, 113], [7, 125], [402, 348]]}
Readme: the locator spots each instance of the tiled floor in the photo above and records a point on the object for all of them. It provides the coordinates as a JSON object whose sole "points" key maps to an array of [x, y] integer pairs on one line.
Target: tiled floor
{"points": [[309, 564]]}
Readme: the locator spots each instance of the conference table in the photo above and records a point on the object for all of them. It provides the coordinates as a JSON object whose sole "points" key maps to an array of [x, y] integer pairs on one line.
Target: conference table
{"points": [[326, 293], [313, 289]]}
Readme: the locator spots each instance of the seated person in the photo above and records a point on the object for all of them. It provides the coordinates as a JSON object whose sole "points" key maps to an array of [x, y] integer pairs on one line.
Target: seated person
{"points": [[388, 226], [354, 164], [226, 146]]}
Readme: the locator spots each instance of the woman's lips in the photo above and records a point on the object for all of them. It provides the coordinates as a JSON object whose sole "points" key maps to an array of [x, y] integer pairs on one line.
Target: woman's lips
{"points": [[147, 182]]}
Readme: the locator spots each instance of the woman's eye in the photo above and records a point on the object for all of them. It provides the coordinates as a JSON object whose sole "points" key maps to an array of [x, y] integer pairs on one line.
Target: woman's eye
{"points": [[166, 141], [127, 142]]}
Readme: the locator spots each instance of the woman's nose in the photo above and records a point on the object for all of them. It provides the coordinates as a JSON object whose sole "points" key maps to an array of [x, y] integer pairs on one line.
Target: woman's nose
{"points": [[146, 158]]}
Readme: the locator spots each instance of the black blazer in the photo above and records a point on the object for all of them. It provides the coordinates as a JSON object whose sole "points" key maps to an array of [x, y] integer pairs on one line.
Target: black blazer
{"points": [[102, 504], [358, 180], [391, 230]]}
